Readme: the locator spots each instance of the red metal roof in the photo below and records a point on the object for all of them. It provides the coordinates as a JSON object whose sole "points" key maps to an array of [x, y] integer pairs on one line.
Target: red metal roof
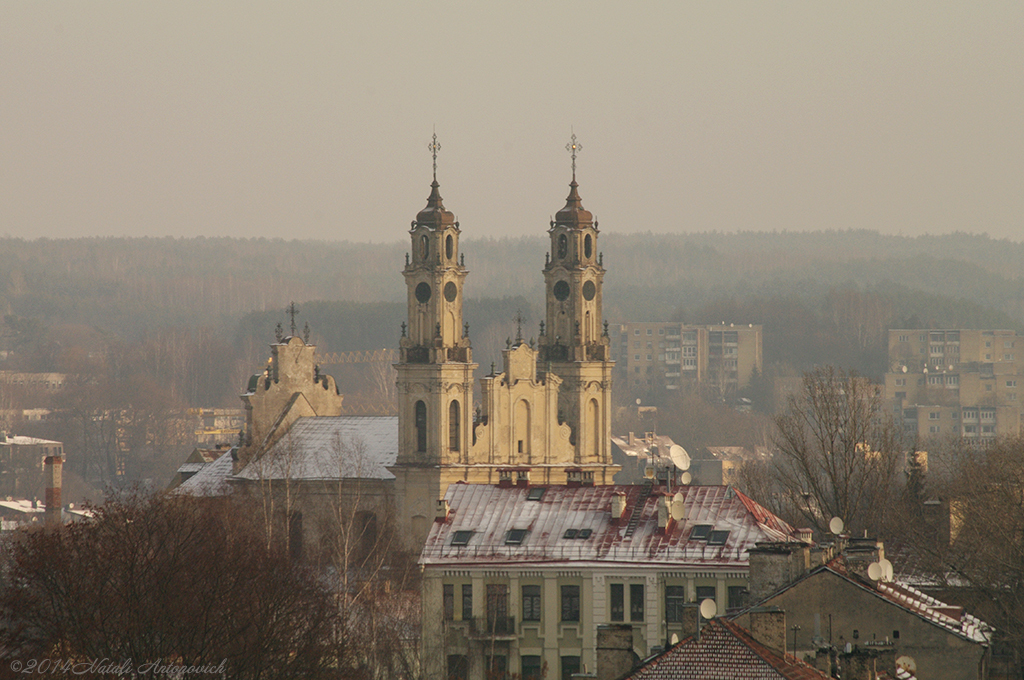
{"points": [[490, 512]]}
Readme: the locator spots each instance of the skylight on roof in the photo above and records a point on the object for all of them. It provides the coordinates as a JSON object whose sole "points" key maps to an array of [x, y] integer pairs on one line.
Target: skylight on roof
{"points": [[461, 537], [700, 532], [584, 533], [570, 533], [515, 536], [718, 537], [536, 493]]}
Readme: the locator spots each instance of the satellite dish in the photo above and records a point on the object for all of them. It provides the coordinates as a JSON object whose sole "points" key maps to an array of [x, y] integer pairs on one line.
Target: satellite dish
{"points": [[835, 525], [677, 509], [649, 472], [685, 478], [638, 402], [886, 566], [674, 640], [951, 367], [679, 456], [904, 369], [678, 497], [708, 609], [874, 571], [907, 663]]}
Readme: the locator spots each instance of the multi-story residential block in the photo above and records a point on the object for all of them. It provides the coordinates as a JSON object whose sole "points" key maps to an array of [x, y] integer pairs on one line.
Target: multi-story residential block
{"points": [[21, 464], [955, 382], [674, 355], [518, 578]]}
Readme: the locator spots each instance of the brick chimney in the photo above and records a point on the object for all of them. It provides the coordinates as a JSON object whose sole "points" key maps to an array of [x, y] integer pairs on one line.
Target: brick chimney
{"points": [[52, 466], [441, 514], [618, 505], [614, 650], [774, 565], [504, 478], [860, 553], [768, 626]]}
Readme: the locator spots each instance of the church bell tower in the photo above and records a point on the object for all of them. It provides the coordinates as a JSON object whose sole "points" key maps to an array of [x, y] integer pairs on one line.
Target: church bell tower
{"points": [[435, 369], [574, 343]]}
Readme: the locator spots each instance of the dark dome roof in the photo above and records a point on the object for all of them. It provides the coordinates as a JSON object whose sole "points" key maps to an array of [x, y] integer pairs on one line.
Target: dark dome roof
{"points": [[574, 214], [434, 215]]}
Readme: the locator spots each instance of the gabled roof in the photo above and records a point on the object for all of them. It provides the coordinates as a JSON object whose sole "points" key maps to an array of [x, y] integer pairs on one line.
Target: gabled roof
{"points": [[952, 619], [724, 651], [490, 512], [330, 447], [211, 479]]}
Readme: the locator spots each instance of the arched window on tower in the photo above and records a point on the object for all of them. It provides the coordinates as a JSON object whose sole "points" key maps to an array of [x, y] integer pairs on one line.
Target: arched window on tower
{"points": [[588, 246], [449, 247], [421, 426], [595, 427], [424, 246], [454, 426], [563, 246]]}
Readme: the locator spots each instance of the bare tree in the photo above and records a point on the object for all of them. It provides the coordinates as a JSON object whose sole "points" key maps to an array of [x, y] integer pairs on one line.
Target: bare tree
{"points": [[837, 454]]}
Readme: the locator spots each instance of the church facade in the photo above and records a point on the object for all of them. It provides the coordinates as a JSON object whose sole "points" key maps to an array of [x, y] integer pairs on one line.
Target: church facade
{"points": [[546, 416]]}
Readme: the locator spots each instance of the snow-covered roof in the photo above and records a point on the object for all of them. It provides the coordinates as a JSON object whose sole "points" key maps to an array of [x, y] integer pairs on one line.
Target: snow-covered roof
{"points": [[330, 447], [492, 512], [211, 479]]}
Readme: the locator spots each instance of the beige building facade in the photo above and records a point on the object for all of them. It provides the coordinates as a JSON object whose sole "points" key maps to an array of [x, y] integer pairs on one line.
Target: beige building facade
{"points": [[961, 383], [673, 355]]}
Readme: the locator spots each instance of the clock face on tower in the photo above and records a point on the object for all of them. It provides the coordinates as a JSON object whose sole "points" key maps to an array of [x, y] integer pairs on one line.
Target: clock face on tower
{"points": [[451, 291], [423, 292], [561, 290]]}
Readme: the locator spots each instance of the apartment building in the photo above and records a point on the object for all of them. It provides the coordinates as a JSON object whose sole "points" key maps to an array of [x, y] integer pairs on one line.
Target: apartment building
{"points": [[675, 355], [955, 382]]}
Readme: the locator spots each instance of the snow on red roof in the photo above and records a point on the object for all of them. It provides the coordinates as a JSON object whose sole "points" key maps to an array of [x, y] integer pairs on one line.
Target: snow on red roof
{"points": [[724, 651], [489, 513]]}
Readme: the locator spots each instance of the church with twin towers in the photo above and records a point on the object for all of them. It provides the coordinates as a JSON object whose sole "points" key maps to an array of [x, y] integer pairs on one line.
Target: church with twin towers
{"points": [[545, 417]]}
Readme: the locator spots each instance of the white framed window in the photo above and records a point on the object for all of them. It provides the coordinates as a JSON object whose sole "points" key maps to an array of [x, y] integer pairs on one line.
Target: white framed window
{"points": [[934, 415]]}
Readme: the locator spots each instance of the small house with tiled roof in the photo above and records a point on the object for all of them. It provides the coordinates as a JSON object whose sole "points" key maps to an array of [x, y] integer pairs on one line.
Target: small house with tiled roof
{"points": [[517, 577], [841, 604]]}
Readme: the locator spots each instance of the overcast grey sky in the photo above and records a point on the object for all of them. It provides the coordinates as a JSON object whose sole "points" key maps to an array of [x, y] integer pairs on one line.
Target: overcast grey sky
{"points": [[311, 120]]}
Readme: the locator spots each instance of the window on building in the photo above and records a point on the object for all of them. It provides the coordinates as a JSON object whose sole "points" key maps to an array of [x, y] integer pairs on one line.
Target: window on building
{"points": [[649, 332], [531, 603], [648, 357], [933, 429], [934, 415], [515, 536], [718, 537], [453, 426], [497, 608], [1008, 357], [901, 382], [737, 597], [636, 331], [675, 598], [570, 667], [1007, 343], [904, 338], [1011, 396], [705, 593], [448, 599], [461, 537], [497, 667], [531, 667], [458, 667], [421, 426], [636, 602], [467, 601], [700, 532], [570, 603], [618, 603], [636, 357]]}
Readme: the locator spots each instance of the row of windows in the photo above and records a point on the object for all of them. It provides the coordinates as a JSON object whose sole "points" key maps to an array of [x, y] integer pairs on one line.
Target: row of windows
{"points": [[497, 667], [498, 594]]}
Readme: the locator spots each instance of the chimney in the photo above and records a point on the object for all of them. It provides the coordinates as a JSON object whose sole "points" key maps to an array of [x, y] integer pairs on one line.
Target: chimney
{"points": [[614, 650], [573, 477], [523, 477], [441, 513], [52, 465], [632, 439], [860, 553], [504, 478], [805, 534], [618, 505], [663, 502], [768, 626], [774, 565]]}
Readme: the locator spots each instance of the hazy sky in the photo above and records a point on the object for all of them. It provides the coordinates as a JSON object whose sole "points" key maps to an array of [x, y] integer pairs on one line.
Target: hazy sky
{"points": [[311, 120]]}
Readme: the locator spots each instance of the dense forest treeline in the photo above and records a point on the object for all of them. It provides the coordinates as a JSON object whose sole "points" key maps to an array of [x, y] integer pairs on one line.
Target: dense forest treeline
{"points": [[824, 297]]}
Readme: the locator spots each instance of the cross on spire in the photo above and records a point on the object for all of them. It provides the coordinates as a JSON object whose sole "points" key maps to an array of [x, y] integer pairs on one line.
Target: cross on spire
{"points": [[518, 318], [292, 311], [573, 147], [434, 147]]}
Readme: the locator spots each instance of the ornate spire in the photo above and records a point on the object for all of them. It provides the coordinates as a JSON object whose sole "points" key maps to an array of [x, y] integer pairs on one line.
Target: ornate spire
{"points": [[434, 215], [573, 214]]}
